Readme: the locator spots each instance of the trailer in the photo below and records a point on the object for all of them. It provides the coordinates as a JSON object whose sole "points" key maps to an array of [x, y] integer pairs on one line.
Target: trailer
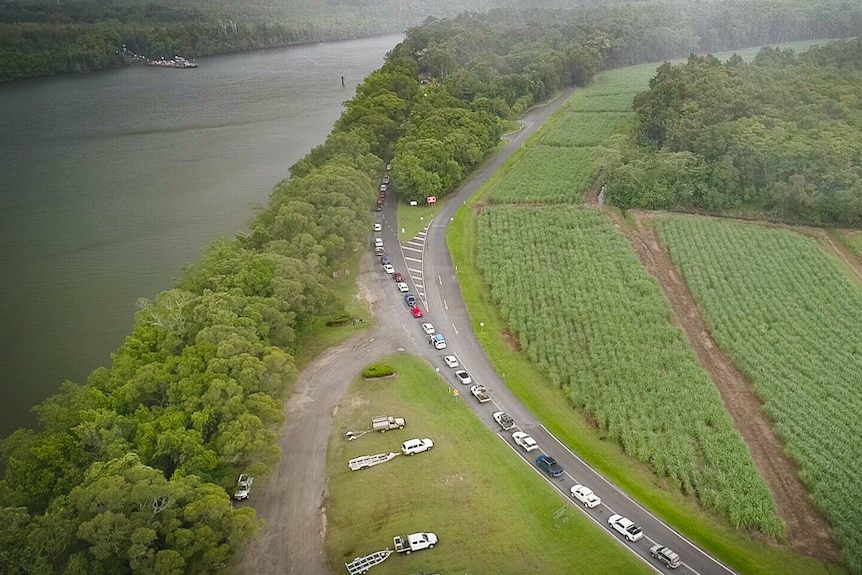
{"points": [[369, 460], [363, 564]]}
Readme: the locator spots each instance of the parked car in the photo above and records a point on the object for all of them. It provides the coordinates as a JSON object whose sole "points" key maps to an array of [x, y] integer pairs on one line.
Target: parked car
{"points": [[243, 487], [549, 465], [379, 251], [504, 419], [428, 329], [525, 441], [464, 377], [412, 446], [398, 277], [402, 287], [378, 242], [386, 179], [450, 361], [670, 559], [625, 527], [417, 313], [437, 341], [410, 299], [385, 260], [585, 495], [382, 187], [378, 207], [388, 268]]}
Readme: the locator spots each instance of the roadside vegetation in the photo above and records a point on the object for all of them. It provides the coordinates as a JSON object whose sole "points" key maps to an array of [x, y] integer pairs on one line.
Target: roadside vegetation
{"points": [[602, 331], [492, 512], [789, 317]]}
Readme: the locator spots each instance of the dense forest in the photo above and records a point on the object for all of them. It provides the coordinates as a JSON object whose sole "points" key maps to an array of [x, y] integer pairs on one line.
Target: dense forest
{"points": [[130, 471], [780, 137], [39, 37]]}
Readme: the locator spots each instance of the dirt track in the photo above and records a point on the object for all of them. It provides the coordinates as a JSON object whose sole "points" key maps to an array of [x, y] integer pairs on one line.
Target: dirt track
{"points": [[808, 532], [292, 498]]}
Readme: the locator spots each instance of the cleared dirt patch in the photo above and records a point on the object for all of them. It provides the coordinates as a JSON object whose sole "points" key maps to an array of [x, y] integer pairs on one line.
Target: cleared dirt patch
{"points": [[510, 340]]}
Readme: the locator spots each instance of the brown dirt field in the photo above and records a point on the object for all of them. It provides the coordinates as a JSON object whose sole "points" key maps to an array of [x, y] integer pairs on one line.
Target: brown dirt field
{"points": [[808, 532]]}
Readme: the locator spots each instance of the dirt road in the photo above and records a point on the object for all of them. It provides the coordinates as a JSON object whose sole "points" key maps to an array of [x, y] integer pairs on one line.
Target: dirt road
{"points": [[291, 498]]}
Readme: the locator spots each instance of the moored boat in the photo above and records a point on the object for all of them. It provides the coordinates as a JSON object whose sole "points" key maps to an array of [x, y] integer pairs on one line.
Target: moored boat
{"points": [[175, 62]]}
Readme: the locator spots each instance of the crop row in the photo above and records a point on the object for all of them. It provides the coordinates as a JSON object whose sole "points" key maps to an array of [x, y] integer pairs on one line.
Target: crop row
{"points": [[549, 174], [597, 325], [586, 128], [790, 318]]}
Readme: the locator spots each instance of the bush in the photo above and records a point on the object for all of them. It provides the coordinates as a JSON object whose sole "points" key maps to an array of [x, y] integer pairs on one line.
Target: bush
{"points": [[341, 319], [376, 370]]}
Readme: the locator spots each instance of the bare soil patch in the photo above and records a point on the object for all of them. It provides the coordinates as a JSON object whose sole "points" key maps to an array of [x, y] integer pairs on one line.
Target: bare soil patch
{"points": [[510, 340], [808, 532]]}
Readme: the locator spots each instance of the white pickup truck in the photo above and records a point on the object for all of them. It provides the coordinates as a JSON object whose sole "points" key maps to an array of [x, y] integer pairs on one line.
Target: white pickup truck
{"points": [[415, 542], [243, 487]]}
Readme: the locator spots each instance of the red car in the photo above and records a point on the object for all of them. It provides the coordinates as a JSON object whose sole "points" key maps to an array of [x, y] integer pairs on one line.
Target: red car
{"points": [[416, 312], [397, 277]]}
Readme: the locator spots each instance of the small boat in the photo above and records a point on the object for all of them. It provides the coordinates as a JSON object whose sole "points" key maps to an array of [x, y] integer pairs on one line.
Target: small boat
{"points": [[175, 62]]}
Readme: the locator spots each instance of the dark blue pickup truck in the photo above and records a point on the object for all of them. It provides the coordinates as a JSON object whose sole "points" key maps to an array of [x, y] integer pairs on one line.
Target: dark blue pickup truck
{"points": [[549, 465]]}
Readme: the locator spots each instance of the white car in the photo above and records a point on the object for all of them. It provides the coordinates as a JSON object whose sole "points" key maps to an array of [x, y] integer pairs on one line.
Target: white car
{"points": [[412, 446], [403, 287], [451, 361], [378, 242], [525, 441], [382, 187], [378, 227], [464, 377], [626, 527], [585, 495], [428, 329], [243, 487], [388, 268]]}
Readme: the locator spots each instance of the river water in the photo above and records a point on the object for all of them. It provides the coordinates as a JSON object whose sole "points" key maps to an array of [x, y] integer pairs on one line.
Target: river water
{"points": [[111, 181]]}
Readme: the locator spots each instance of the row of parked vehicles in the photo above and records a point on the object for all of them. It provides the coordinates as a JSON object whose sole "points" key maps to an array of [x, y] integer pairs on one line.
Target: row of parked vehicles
{"points": [[547, 464]]}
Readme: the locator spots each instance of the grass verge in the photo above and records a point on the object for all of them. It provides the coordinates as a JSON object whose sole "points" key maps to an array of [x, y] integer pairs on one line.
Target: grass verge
{"points": [[491, 511]]}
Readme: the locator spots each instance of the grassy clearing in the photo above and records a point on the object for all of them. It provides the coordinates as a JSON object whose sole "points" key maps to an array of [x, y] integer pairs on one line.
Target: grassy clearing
{"points": [[790, 318], [492, 512], [549, 404], [549, 174], [852, 239]]}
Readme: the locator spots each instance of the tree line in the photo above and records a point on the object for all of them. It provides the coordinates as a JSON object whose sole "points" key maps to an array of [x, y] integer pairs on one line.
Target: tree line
{"points": [[778, 138], [131, 471]]}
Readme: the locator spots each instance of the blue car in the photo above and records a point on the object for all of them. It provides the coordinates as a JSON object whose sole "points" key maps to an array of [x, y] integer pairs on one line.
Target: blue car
{"points": [[384, 260], [410, 299]]}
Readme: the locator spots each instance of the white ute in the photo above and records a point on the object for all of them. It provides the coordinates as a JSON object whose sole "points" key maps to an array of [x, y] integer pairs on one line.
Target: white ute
{"points": [[415, 542], [243, 487], [412, 446]]}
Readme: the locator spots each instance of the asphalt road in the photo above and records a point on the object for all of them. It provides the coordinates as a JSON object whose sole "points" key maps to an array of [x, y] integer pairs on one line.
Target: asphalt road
{"points": [[444, 307]]}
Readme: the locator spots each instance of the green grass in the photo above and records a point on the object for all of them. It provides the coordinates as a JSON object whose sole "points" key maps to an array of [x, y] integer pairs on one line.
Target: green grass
{"points": [[414, 219], [549, 174], [492, 511], [789, 316], [586, 128], [852, 239]]}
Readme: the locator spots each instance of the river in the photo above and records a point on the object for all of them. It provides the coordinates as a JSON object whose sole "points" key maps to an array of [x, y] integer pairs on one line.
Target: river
{"points": [[111, 181]]}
